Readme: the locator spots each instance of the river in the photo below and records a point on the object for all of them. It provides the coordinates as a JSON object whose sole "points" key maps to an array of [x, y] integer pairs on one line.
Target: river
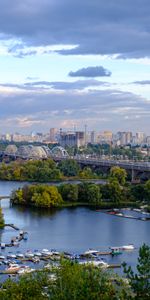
{"points": [[72, 229]]}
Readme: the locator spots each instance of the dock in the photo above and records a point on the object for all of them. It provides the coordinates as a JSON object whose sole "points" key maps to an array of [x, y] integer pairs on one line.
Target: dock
{"points": [[121, 215], [12, 226], [4, 197], [14, 240], [114, 266]]}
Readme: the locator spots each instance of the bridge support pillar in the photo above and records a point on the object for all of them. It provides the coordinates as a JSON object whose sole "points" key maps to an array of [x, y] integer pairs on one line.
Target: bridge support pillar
{"points": [[132, 175]]}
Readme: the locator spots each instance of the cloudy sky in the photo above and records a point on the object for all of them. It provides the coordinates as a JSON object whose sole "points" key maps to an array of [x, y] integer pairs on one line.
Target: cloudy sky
{"points": [[66, 63]]}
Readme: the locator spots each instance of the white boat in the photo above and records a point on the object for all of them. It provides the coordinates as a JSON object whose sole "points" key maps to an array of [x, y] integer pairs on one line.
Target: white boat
{"points": [[13, 268], [3, 245], [46, 252], [6, 262], [29, 254], [11, 255], [95, 263], [25, 270], [115, 248], [128, 247], [19, 255], [55, 252], [145, 213], [2, 257], [90, 252], [37, 253]]}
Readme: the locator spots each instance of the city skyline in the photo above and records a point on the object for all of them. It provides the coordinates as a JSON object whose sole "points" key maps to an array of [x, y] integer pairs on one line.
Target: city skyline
{"points": [[68, 63]]}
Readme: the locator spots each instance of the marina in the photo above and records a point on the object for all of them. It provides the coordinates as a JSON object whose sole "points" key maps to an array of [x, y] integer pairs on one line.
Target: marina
{"points": [[16, 263], [69, 231]]}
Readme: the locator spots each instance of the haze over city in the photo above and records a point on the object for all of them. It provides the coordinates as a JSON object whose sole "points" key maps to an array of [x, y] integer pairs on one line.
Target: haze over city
{"points": [[70, 63]]}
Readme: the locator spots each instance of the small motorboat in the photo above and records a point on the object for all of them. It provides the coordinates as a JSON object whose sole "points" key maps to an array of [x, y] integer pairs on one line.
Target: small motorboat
{"points": [[46, 252], [128, 247], [3, 245], [2, 257], [36, 259], [24, 270], [95, 263], [21, 232], [37, 253], [116, 251], [90, 252], [25, 236], [19, 255], [11, 255], [29, 254], [55, 252], [6, 262], [13, 268]]}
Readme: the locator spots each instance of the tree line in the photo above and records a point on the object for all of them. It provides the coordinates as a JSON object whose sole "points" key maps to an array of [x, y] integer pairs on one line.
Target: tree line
{"points": [[48, 170], [111, 194]]}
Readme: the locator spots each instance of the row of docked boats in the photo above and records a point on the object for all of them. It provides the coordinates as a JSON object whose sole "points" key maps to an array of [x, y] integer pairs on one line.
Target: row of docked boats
{"points": [[14, 261], [45, 253], [114, 250]]}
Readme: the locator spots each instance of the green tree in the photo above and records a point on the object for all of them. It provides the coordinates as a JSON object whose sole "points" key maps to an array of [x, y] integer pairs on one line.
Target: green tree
{"points": [[119, 174], [69, 167], [115, 191], [74, 281], [71, 281], [138, 192], [28, 287], [2, 223], [89, 193], [87, 173], [37, 195], [147, 190], [140, 281], [69, 192]]}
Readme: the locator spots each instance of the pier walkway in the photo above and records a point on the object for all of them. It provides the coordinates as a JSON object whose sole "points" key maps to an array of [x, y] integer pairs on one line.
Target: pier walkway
{"points": [[4, 197]]}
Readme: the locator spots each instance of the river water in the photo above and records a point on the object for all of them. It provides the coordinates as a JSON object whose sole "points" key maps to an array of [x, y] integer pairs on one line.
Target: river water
{"points": [[72, 229]]}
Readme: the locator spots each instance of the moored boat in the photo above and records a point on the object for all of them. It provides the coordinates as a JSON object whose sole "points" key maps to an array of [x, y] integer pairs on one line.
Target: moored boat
{"points": [[11, 255], [29, 254], [128, 247], [95, 263], [46, 252], [37, 253], [116, 251], [13, 268], [24, 270], [91, 252], [19, 255], [2, 257]]}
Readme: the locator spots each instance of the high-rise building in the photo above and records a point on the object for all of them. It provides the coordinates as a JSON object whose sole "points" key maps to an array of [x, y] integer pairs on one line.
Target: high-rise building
{"points": [[72, 139], [140, 137], [124, 137], [53, 135]]}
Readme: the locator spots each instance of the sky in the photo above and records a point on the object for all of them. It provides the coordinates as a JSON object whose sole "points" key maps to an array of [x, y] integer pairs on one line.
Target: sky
{"points": [[67, 63]]}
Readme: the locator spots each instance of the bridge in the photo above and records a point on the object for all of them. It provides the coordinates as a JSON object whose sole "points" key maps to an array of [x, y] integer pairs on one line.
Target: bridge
{"points": [[136, 168]]}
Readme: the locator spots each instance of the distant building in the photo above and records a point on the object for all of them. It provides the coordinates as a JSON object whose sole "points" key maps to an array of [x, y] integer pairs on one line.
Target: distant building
{"points": [[72, 139], [124, 138], [140, 137], [53, 135]]}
